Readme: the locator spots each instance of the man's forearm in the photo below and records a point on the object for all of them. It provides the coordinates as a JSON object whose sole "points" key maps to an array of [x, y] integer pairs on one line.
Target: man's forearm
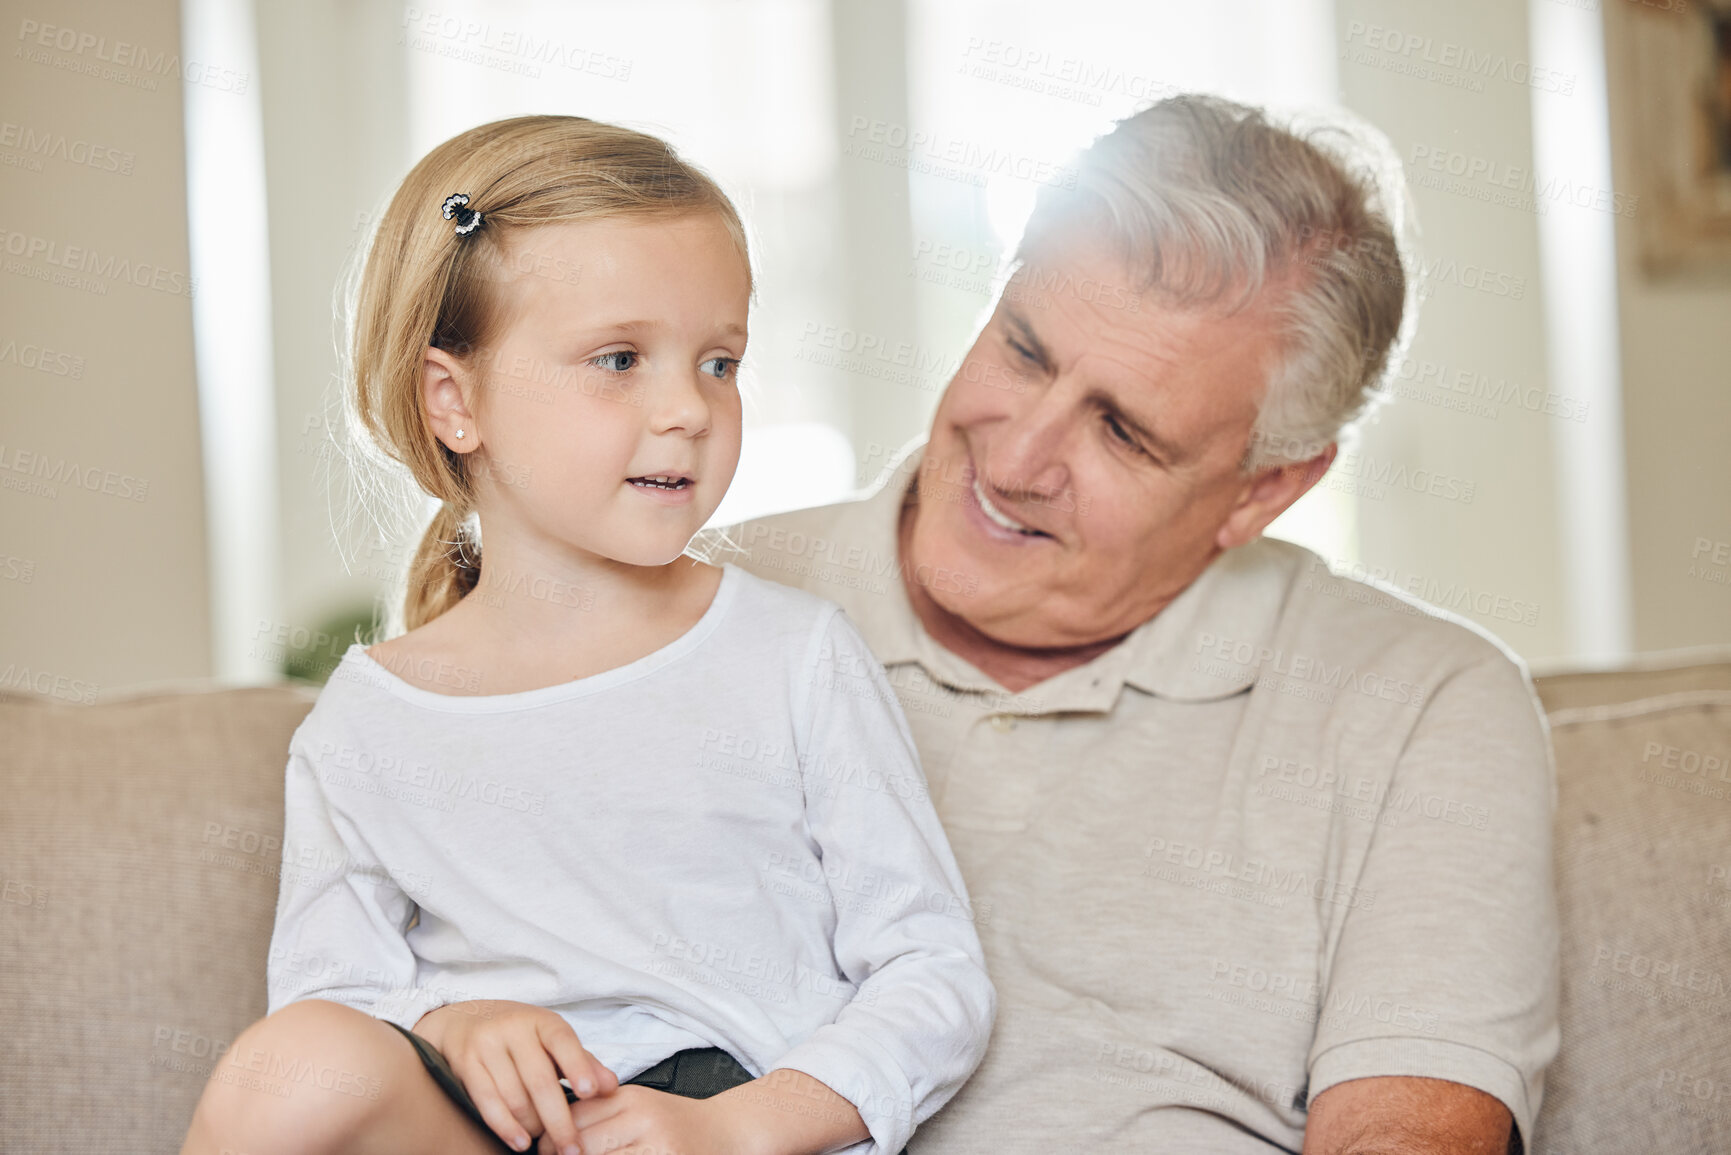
{"points": [[1408, 1116]]}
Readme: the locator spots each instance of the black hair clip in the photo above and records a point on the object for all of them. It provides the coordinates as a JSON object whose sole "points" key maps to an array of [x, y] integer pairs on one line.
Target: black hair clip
{"points": [[468, 220]]}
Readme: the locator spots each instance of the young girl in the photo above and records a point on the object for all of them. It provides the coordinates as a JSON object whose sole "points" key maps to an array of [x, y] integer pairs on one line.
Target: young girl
{"points": [[604, 814]]}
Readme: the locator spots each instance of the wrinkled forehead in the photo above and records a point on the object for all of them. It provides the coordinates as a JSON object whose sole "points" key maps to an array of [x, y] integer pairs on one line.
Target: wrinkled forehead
{"points": [[1081, 266], [1191, 376]]}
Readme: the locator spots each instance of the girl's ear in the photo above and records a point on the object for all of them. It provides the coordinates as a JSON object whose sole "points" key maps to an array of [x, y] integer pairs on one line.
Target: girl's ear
{"points": [[445, 390]]}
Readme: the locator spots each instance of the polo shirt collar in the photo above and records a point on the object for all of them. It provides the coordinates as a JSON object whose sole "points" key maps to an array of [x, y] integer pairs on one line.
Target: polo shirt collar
{"points": [[1238, 600]]}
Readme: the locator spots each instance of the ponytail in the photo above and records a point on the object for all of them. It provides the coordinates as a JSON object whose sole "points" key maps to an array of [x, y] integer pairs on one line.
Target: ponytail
{"points": [[446, 566]]}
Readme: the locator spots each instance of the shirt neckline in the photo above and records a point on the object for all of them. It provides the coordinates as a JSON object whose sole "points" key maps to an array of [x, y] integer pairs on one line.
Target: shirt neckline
{"points": [[371, 671]]}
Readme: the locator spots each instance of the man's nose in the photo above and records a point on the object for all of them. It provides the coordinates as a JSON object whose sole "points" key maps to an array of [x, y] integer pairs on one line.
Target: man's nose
{"points": [[1028, 451]]}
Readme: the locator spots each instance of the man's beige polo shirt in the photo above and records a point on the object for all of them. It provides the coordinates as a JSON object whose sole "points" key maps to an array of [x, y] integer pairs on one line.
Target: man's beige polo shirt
{"points": [[1293, 830]]}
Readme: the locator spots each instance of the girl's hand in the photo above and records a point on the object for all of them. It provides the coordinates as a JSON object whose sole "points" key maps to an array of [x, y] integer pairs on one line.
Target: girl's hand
{"points": [[643, 1121], [785, 1112], [500, 1050]]}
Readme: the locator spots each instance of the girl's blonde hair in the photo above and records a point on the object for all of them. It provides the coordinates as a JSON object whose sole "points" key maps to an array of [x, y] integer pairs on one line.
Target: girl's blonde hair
{"points": [[422, 284]]}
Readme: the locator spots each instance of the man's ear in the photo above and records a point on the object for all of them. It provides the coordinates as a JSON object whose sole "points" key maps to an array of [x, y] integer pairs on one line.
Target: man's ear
{"points": [[444, 394], [1269, 494]]}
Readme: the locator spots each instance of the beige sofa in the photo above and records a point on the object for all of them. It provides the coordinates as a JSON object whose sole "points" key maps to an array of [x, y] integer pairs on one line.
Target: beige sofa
{"points": [[140, 842]]}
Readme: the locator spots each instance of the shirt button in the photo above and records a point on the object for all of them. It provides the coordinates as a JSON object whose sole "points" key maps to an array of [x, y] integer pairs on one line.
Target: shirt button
{"points": [[1003, 723]]}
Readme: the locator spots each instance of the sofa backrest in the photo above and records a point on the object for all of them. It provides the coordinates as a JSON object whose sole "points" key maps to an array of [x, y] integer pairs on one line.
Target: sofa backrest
{"points": [[1643, 857], [140, 845], [140, 842]]}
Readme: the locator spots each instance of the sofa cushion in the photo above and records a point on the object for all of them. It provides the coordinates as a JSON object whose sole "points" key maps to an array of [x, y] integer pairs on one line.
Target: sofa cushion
{"points": [[1643, 856], [139, 851], [140, 848]]}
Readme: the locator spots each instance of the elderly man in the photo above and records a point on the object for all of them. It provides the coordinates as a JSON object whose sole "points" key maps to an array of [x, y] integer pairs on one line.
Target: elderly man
{"points": [[1260, 856]]}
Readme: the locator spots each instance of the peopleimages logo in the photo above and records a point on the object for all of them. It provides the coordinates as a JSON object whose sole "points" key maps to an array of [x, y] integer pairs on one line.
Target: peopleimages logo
{"points": [[131, 63], [58, 146], [1495, 175], [47, 473], [48, 684], [518, 50], [1372, 477], [1426, 56], [1277, 881], [1232, 657], [41, 359], [105, 267], [1391, 799], [1433, 382], [1052, 74], [1455, 596], [869, 139]]}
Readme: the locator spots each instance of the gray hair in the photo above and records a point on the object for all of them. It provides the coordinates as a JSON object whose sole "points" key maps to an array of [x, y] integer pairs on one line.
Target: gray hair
{"points": [[1209, 201]]}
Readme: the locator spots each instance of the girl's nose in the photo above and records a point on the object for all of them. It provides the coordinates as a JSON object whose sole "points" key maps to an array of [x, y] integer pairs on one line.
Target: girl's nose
{"points": [[677, 404]]}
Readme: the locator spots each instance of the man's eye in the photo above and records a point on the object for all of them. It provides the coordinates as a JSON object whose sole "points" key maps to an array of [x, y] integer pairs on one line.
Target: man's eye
{"points": [[721, 368], [1024, 353], [1122, 434], [621, 362]]}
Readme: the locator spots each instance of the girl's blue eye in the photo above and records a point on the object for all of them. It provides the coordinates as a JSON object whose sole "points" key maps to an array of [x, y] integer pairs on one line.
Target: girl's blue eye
{"points": [[619, 362], [721, 368]]}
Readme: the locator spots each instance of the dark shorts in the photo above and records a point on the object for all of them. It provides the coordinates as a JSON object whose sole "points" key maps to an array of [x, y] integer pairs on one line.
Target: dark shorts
{"points": [[697, 1073]]}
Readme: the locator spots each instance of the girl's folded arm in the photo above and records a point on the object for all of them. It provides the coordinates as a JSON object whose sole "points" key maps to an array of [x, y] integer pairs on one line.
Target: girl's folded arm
{"points": [[341, 915], [917, 1025]]}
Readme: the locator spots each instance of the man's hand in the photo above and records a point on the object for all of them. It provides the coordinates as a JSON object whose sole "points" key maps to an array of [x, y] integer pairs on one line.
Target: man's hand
{"points": [[783, 1113], [504, 1052], [1407, 1116]]}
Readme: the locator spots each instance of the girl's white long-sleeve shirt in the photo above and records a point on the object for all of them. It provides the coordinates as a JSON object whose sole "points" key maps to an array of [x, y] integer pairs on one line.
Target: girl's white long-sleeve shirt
{"points": [[727, 842]]}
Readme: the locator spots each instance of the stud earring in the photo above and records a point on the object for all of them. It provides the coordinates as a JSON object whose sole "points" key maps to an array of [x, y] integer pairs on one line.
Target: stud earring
{"points": [[459, 435]]}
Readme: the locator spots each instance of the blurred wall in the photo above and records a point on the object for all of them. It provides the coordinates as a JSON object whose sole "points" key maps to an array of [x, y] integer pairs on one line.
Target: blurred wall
{"points": [[1676, 339], [103, 573], [102, 570], [334, 96], [1490, 533]]}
